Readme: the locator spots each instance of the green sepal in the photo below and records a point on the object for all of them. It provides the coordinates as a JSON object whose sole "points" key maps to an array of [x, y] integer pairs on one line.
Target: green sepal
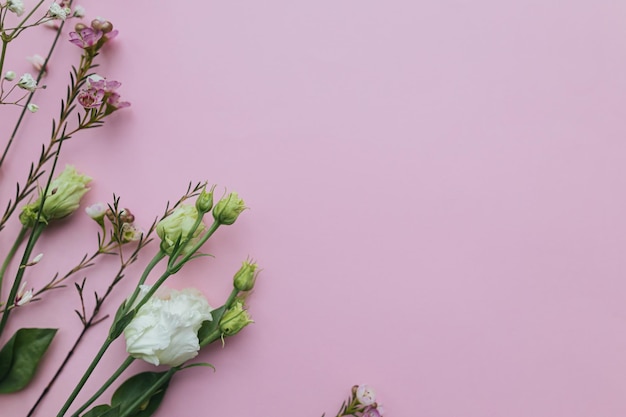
{"points": [[135, 387], [103, 410], [120, 324], [20, 357]]}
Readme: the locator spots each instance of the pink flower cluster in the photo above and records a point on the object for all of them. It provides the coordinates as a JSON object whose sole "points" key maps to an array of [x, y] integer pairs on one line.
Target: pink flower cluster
{"points": [[99, 92], [95, 36]]}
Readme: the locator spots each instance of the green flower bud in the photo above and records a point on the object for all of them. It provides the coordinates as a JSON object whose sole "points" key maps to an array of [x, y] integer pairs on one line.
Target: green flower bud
{"points": [[204, 203], [62, 199], [228, 209], [177, 226], [246, 276], [234, 319]]}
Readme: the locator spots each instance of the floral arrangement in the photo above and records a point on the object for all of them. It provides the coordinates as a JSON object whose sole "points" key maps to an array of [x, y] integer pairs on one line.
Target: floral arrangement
{"points": [[161, 326]]}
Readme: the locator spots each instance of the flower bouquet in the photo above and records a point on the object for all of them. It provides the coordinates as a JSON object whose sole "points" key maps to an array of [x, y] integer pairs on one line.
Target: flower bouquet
{"points": [[162, 326]]}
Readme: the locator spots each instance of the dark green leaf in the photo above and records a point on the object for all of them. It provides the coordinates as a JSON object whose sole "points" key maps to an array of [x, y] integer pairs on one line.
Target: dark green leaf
{"points": [[101, 410], [134, 387], [20, 357], [209, 327]]}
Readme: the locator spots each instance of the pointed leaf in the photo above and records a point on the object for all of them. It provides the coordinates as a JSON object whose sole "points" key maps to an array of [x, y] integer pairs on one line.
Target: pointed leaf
{"points": [[21, 356], [135, 387]]}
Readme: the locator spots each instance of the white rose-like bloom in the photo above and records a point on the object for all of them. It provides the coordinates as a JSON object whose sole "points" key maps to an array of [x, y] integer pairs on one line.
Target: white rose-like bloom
{"points": [[165, 329]]}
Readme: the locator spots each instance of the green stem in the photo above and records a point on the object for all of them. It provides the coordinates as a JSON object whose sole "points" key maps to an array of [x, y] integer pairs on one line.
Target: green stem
{"points": [[197, 246], [30, 96], [157, 258], [11, 254], [86, 376], [106, 385], [12, 35], [37, 230], [132, 409], [2, 55]]}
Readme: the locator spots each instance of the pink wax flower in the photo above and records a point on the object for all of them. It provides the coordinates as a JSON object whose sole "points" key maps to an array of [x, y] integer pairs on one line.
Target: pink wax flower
{"points": [[85, 38], [371, 411], [91, 98], [115, 103]]}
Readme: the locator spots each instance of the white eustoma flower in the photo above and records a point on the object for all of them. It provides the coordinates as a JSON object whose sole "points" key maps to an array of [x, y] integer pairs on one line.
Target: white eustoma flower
{"points": [[27, 82], [16, 6], [165, 329]]}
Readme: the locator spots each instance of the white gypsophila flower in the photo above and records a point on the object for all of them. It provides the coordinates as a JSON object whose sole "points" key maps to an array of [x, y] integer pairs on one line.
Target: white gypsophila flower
{"points": [[9, 75], [165, 329], [79, 11], [16, 6], [57, 12], [365, 394], [32, 107], [27, 82]]}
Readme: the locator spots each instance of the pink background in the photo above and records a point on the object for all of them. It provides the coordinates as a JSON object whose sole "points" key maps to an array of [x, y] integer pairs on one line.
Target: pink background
{"points": [[437, 193]]}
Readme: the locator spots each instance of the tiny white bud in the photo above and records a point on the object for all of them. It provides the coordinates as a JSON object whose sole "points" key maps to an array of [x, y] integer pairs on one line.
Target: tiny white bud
{"points": [[23, 297], [79, 11], [37, 259], [9, 75], [32, 107]]}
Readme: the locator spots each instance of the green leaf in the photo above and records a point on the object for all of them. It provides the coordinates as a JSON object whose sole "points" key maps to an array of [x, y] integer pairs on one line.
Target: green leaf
{"points": [[209, 326], [135, 387], [103, 410], [20, 357]]}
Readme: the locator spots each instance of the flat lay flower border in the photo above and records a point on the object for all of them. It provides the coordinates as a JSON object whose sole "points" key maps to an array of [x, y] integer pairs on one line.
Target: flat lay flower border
{"points": [[161, 326]]}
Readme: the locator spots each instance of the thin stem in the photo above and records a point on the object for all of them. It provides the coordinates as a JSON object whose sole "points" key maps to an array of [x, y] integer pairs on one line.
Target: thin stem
{"points": [[18, 241], [3, 54], [58, 372], [37, 230], [85, 377], [106, 385], [157, 258], [30, 96]]}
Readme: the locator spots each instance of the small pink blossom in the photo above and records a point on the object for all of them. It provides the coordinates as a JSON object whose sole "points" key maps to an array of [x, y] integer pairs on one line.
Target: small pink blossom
{"points": [[114, 101], [371, 412], [91, 98], [365, 394], [85, 38]]}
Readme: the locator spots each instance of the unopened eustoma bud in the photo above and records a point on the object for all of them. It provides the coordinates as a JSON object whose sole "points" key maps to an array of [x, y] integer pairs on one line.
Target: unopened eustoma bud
{"points": [[228, 209], [62, 199], [32, 107], [246, 276], [9, 75], [178, 226], [204, 203], [234, 319]]}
